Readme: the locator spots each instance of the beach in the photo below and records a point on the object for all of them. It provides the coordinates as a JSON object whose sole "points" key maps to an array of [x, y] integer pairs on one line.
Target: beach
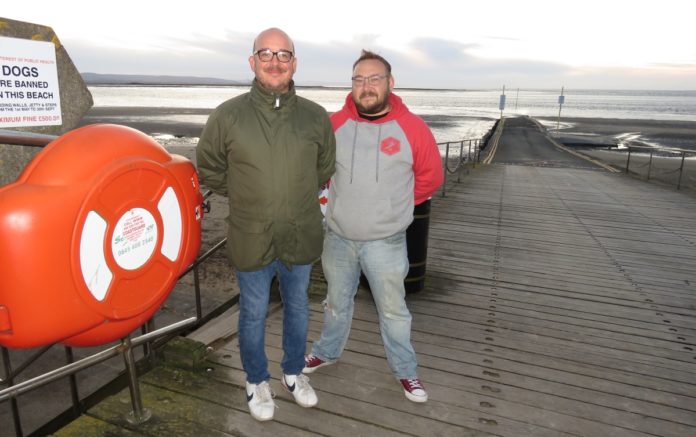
{"points": [[178, 129], [662, 133], [154, 121], [182, 126]]}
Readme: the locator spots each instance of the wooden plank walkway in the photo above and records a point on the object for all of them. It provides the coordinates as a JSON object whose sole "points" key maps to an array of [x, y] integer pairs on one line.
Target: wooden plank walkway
{"points": [[575, 291], [558, 302]]}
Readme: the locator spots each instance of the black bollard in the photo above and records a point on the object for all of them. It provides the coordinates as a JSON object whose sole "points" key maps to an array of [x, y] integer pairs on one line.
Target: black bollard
{"points": [[417, 248], [417, 245]]}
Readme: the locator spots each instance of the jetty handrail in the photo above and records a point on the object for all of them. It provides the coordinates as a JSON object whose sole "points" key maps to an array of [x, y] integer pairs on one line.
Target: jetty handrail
{"points": [[21, 138], [462, 159], [150, 339], [665, 152]]}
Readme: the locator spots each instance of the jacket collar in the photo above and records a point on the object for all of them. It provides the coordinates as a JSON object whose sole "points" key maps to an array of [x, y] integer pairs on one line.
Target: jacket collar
{"points": [[269, 100]]}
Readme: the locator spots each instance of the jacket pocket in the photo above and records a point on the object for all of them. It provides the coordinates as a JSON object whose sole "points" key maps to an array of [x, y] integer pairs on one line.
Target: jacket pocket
{"points": [[305, 158], [249, 242], [310, 232]]}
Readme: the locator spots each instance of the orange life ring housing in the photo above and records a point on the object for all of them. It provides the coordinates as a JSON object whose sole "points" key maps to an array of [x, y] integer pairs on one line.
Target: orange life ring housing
{"points": [[93, 235]]}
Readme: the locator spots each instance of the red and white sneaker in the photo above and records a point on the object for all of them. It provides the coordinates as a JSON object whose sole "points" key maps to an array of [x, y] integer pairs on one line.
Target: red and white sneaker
{"points": [[313, 362], [413, 389]]}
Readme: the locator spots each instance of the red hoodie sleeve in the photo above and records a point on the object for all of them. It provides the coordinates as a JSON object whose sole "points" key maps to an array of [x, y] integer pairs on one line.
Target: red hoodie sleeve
{"points": [[427, 162]]}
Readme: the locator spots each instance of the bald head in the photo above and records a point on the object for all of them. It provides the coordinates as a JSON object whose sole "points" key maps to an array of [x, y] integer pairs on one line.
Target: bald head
{"points": [[272, 34], [273, 74]]}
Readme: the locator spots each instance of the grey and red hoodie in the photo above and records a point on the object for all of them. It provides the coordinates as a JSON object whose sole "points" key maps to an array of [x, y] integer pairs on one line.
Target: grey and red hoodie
{"points": [[383, 168]]}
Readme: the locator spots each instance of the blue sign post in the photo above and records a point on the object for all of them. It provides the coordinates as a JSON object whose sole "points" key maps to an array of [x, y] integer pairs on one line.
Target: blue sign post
{"points": [[561, 101], [501, 105]]}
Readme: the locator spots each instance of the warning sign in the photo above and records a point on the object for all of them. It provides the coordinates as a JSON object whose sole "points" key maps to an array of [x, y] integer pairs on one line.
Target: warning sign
{"points": [[29, 91]]}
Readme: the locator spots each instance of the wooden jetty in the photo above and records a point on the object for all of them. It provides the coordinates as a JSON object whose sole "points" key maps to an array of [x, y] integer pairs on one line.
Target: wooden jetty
{"points": [[560, 300]]}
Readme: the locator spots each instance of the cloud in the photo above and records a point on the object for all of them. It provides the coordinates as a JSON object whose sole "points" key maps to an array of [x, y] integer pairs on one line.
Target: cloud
{"points": [[433, 62], [421, 63], [226, 58]]}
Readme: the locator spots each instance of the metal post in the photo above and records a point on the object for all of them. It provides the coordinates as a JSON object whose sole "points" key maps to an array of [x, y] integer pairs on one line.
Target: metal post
{"points": [[628, 160], [444, 183], [77, 407], [461, 160], [561, 99], [650, 163], [197, 289], [478, 152], [681, 170], [10, 382], [144, 329], [501, 104], [139, 414], [148, 350]]}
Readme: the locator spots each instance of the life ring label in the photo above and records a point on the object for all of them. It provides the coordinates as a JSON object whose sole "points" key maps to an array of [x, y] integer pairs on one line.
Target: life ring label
{"points": [[134, 238]]}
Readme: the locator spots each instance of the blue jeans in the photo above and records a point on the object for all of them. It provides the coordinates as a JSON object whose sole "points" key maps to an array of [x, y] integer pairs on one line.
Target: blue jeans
{"points": [[254, 288], [385, 264]]}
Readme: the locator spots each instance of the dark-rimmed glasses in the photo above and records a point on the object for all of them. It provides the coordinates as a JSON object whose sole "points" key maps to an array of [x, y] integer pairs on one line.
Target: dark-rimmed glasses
{"points": [[265, 55], [373, 80]]}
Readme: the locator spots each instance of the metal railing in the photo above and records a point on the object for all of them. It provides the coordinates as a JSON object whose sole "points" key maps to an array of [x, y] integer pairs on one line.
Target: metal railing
{"points": [[666, 165], [472, 155], [151, 339], [20, 138]]}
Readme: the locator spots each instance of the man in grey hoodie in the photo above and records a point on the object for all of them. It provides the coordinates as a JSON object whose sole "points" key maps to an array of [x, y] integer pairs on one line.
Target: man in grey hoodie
{"points": [[387, 161]]}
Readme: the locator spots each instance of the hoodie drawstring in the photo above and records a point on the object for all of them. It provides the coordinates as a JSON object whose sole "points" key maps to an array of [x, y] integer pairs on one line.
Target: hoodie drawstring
{"points": [[352, 157], [379, 140]]}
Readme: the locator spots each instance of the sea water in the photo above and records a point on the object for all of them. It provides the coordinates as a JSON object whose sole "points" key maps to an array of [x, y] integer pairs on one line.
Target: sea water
{"points": [[452, 114]]}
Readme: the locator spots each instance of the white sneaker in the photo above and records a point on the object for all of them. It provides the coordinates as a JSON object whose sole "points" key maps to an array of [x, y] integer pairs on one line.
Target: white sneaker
{"points": [[299, 386], [260, 400]]}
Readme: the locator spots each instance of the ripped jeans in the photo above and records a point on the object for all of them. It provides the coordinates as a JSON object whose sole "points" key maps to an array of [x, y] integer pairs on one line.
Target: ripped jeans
{"points": [[385, 264]]}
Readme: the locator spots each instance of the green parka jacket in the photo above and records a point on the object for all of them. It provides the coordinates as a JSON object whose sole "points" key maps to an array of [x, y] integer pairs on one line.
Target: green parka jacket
{"points": [[269, 154]]}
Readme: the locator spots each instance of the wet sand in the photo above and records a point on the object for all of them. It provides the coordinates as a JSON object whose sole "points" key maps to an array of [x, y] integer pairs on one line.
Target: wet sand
{"points": [[178, 130], [188, 122], [604, 131], [178, 122]]}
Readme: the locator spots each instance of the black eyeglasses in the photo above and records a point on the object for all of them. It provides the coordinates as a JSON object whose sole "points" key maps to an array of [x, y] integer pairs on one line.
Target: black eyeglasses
{"points": [[373, 80], [265, 55]]}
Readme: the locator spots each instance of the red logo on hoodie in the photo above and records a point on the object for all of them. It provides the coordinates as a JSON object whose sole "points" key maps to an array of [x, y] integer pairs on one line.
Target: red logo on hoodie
{"points": [[390, 146]]}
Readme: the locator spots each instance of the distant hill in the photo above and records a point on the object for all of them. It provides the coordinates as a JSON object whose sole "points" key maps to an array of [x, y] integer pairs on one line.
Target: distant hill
{"points": [[142, 79]]}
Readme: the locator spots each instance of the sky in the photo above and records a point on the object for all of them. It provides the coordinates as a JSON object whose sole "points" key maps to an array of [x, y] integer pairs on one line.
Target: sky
{"points": [[590, 44]]}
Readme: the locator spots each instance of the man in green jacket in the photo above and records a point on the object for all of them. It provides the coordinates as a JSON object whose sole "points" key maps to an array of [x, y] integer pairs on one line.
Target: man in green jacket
{"points": [[269, 151]]}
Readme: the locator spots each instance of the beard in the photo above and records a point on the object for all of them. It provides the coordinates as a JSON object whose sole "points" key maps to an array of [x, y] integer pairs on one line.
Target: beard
{"points": [[376, 107]]}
